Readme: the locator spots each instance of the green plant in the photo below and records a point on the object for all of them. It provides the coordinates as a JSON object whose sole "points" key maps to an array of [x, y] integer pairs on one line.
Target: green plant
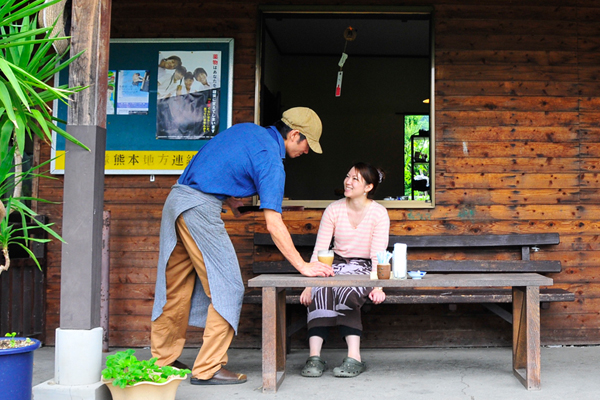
{"points": [[412, 125], [12, 342], [28, 63], [124, 369]]}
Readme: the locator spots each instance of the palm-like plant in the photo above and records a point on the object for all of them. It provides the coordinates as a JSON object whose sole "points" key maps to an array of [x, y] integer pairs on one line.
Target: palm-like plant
{"points": [[28, 63]]}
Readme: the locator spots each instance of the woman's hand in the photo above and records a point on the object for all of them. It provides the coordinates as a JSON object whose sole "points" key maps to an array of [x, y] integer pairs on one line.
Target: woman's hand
{"points": [[377, 296], [306, 297]]}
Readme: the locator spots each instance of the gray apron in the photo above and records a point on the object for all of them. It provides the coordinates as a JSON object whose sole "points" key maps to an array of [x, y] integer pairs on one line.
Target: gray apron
{"points": [[202, 215]]}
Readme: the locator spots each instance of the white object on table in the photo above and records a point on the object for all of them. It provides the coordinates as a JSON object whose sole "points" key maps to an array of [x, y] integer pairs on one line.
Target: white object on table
{"points": [[399, 261], [373, 275]]}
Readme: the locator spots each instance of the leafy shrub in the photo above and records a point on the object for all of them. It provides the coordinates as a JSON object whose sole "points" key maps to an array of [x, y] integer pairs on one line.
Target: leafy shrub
{"points": [[126, 370]]}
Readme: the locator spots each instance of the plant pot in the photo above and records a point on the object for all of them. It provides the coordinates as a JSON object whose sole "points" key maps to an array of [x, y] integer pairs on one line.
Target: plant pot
{"points": [[16, 371], [145, 390]]}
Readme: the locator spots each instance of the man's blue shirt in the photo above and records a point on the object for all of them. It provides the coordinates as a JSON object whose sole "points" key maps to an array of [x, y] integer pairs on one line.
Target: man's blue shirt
{"points": [[241, 161]]}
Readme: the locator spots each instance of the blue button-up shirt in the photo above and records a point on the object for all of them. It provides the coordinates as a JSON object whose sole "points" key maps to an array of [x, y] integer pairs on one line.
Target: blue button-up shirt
{"points": [[241, 161]]}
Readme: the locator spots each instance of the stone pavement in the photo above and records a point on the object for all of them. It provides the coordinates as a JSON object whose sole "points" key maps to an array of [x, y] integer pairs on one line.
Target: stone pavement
{"points": [[411, 374]]}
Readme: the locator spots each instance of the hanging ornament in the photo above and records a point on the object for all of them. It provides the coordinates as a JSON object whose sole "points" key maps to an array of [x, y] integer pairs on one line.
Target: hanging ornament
{"points": [[349, 35]]}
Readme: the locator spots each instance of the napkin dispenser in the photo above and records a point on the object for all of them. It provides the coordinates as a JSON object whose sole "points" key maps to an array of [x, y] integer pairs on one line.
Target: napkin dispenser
{"points": [[399, 261]]}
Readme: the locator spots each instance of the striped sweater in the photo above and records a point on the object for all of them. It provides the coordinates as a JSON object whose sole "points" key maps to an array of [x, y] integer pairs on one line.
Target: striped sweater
{"points": [[363, 241]]}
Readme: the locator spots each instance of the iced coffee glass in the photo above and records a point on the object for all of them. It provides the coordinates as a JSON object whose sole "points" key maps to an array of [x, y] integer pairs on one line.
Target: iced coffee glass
{"points": [[325, 256]]}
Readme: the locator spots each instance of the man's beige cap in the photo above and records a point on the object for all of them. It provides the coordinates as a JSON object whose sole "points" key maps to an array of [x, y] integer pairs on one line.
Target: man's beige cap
{"points": [[307, 122]]}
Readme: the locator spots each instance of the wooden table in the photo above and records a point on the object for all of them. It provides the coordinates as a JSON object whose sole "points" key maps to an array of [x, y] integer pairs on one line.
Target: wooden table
{"points": [[526, 314]]}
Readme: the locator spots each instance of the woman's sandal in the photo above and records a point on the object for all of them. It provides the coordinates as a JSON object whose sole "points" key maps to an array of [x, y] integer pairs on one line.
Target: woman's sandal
{"points": [[314, 367], [349, 368]]}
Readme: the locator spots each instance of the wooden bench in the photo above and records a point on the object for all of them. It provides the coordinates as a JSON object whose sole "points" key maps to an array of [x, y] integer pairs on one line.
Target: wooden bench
{"points": [[490, 291], [525, 300], [488, 297]]}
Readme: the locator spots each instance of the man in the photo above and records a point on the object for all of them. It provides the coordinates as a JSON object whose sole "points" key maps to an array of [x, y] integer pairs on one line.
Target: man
{"points": [[198, 276]]}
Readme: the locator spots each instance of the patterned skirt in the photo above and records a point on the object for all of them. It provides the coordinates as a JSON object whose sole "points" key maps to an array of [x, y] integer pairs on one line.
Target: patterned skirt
{"points": [[332, 306]]}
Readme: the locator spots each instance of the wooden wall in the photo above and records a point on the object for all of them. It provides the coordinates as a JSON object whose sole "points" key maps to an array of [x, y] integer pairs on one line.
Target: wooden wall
{"points": [[517, 123]]}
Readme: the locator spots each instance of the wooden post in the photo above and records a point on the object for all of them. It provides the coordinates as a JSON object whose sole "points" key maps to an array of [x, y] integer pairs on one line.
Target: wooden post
{"points": [[526, 336], [273, 338], [90, 31], [84, 170], [104, 289], [281, 331], [80, 336]]}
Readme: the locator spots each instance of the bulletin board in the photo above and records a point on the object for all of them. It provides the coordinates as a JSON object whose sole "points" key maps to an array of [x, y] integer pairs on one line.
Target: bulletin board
{"points": [[149, 93]]}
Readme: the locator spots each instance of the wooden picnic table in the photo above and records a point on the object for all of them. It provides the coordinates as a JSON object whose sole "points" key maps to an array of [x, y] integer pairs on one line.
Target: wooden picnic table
{"points": [[526, 313]]}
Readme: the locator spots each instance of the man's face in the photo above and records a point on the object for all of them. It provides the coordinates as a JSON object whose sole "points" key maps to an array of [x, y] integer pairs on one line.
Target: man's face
{"points": [[294, 147]]}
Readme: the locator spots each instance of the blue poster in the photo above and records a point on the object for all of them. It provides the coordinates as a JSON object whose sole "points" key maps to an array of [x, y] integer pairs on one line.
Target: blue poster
{"points": [[132, 94]]}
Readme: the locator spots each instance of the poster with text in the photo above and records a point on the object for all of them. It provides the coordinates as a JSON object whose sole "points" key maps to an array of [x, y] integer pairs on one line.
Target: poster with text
{"points": [[188, 94], [110, 98], [132, 93]]}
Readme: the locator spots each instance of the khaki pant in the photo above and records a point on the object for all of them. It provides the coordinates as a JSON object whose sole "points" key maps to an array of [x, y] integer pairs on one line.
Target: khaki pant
{"points": [[169, 330]]}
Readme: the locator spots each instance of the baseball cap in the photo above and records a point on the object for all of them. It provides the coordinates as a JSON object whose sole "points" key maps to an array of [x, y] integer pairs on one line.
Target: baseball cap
{"points": [[307, 122]]}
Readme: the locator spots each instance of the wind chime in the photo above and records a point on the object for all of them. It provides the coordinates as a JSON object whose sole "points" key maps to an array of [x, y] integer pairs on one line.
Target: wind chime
{"points": [[349, 36]]}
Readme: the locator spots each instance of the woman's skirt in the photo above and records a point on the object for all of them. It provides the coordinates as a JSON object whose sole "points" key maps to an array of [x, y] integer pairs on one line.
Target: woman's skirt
{"points": [[333, 306]]}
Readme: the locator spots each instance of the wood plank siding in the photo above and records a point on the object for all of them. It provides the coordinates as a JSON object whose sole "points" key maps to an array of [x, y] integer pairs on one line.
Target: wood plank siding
{"points": [[518, 151]]}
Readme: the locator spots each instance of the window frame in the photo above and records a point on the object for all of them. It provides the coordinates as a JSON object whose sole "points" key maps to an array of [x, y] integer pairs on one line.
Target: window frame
{"points": [[265, 10]]}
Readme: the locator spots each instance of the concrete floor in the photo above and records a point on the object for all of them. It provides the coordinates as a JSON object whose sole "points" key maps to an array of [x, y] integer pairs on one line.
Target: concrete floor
{"points": [[411, 374]]}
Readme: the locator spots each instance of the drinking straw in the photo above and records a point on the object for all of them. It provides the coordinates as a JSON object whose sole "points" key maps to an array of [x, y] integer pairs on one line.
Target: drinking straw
{"points": [[383, 257]]}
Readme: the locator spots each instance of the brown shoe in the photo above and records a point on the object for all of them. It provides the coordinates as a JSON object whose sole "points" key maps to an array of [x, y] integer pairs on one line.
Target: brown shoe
{"points": [[178, 364], [221, 377]]}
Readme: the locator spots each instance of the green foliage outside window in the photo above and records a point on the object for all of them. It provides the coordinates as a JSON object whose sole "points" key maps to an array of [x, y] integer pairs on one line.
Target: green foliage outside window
{"points": [[412, 125]]}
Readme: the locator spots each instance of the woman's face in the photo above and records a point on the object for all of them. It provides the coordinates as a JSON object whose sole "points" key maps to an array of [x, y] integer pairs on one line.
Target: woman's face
{"points": [[177, 76], [169, 64], [202, 79], [355, 185]]}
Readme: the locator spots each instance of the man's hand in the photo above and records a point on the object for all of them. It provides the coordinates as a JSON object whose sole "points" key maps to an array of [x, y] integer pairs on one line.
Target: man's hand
{"points": [[234, 203], [377, 296], [316, 268], [306, 297], [283, 241]]}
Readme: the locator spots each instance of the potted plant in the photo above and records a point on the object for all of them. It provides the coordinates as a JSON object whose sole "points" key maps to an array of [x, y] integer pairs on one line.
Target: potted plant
{"points": [[128, 378], [16, 366], [28, 64]]}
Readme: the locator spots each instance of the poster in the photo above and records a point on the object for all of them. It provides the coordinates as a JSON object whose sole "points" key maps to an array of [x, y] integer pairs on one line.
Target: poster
{"points": [[110, 98], [133, 92], [132, 147], [188, 93]]}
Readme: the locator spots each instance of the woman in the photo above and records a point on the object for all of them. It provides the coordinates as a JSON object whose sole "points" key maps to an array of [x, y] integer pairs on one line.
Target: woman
{"points": [[186, 88], [360, 228]]}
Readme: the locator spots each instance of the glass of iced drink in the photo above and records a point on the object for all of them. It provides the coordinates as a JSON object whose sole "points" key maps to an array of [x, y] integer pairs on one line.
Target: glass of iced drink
{"points": [[325, 256]]}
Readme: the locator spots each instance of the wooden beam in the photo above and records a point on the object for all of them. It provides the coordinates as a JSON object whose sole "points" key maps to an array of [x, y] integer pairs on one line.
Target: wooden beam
{"points": [[526, 336], [84, 170], [526, 239], [90, 31]]}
